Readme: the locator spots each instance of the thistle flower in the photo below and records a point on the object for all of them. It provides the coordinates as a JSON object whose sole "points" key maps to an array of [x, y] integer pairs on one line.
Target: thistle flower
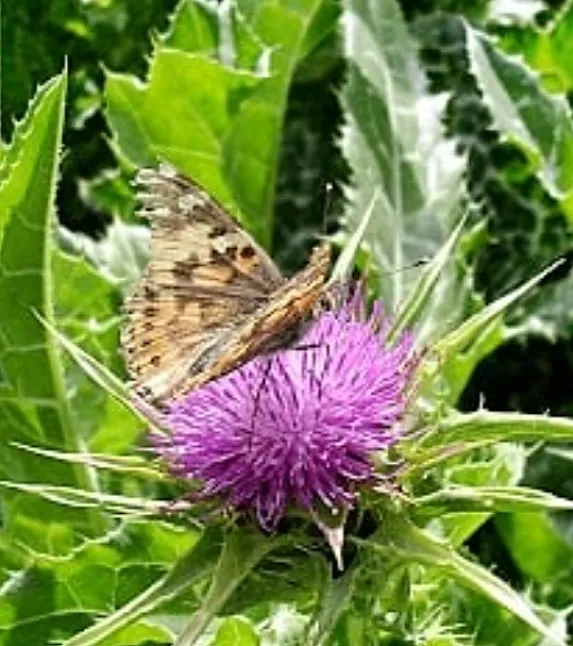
{"points": [[298, 425]]}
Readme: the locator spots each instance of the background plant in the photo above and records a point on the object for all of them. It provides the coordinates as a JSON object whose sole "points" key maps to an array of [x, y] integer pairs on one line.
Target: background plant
{"points": [[416, 117]]}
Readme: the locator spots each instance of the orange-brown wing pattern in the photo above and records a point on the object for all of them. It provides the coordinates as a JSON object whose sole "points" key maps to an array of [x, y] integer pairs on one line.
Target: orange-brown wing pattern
{"points": [[266, 327], [204, 274], [210, 297]]}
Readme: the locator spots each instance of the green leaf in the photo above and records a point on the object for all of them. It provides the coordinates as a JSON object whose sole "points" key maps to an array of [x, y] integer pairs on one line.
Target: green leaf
{"points": [[522, 111], [540, 550], [204, 100], [494, 468], [143, 633], [225, 125], [86, 308], [464, 335], [335, 596], [78, 498], [119, 257], [484, 427], [289, 576], [30, 366], [492, 499], [108, 381], [196, 140], [523, 228], [290, 31], [193, 28], [125, 464], [54, 596], [235, 631], [224, 33], [455, 356], [409, 544], [344, 265], [400, 160], [190, 567], [35, 404], [494, 623], [414, 303], [90, 279], [108, 192], [546, 49]]}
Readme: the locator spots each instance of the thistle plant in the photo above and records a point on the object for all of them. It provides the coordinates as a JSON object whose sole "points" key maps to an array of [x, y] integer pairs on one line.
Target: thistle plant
{"points": [[331, 491], [342, 428]]}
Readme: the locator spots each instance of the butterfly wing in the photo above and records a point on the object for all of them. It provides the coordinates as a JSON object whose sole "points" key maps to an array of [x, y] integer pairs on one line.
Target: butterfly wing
{"points": [[269, 325], [205, 273]]}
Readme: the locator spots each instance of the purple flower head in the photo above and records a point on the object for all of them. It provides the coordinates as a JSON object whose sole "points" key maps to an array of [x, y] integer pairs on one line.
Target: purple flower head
{"points": [[298, 425]]}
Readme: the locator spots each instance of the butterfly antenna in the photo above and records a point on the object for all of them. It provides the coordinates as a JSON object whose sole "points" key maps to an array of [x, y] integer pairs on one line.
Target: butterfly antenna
{"points": [[257, 398], [412, 265]]}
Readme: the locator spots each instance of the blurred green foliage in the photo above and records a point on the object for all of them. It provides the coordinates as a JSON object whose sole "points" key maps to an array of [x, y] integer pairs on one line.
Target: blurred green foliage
{"points": [[37, 38]]}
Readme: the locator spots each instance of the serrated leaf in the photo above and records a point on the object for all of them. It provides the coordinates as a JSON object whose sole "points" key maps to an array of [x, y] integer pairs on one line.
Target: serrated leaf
{"points": [[394, 144], [48, 595], [230, 120], [193, 28], [221, 32], [30, 364], [523, 227], [522, 111], [410, 544], [30, 368], [204, 99]]}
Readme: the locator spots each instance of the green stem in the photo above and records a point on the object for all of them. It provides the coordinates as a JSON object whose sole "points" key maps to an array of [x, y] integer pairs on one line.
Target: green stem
{"points": [[242, 551]]}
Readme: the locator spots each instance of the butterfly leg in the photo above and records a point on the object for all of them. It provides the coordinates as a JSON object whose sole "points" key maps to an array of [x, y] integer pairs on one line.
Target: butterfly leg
{"points": [[309, 346], [257, 396]]}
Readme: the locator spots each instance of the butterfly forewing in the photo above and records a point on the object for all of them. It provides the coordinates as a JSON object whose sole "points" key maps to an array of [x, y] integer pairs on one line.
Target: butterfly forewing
{"points": [[210, 297]]}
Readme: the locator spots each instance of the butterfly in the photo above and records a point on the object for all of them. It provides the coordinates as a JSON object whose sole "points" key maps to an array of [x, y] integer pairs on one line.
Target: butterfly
{"points": [[210, 298]]}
